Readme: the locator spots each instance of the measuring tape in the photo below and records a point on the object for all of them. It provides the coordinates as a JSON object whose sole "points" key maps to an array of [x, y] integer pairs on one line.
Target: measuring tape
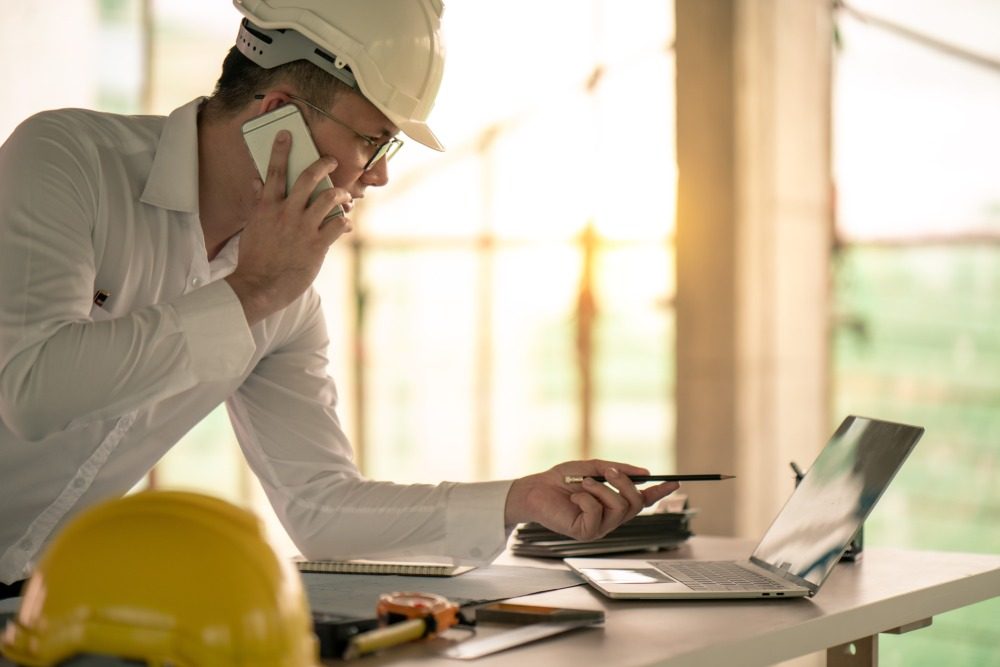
{"points": [[404, 617], [437, 612]]}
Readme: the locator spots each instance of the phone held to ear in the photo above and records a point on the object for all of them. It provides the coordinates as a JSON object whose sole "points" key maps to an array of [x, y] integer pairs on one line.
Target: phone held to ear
{"points": [[259, 133]]}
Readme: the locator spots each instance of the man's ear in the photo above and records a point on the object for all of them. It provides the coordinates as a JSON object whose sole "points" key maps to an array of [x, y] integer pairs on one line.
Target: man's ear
{"points": [[270, 101]]}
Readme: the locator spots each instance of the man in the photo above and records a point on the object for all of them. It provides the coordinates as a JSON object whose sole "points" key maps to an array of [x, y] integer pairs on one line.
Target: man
{"points": [[148, 275]]}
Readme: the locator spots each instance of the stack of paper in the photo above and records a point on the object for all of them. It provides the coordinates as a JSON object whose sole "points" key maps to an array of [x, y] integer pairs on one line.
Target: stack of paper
{"points": [[646, 532]]}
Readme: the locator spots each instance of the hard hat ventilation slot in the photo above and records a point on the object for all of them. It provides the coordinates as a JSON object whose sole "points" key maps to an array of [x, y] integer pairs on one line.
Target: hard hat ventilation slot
{"points": [[250, 28], [340, 69], [332, 59]]}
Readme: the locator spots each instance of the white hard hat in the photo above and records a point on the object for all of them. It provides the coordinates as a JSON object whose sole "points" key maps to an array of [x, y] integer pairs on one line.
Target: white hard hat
{"points": [[389, 49]]}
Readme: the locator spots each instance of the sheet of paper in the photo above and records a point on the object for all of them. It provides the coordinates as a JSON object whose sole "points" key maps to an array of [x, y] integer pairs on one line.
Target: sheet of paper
{"points": [[355, 595]]}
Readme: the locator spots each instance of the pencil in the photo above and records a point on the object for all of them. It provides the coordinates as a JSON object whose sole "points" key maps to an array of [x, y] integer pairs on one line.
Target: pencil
{"points": [[642, 479]]}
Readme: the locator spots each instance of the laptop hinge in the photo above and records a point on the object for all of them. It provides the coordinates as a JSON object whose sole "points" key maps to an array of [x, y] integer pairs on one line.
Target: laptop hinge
{"points": [[785, 575]]}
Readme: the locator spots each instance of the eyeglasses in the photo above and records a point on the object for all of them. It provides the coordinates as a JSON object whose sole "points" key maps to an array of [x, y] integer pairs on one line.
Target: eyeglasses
{"points": [[382, 150]]}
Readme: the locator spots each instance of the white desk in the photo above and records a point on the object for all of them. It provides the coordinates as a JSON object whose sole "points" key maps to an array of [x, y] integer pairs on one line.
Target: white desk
{"points": [[888, 589]]}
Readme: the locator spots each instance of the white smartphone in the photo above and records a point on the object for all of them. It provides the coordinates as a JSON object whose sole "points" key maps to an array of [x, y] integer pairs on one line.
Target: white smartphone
{"points": [[259, 133]]}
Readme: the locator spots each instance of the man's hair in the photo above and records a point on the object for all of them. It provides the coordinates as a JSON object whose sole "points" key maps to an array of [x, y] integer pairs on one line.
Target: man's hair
{"points": [[242, 78]]}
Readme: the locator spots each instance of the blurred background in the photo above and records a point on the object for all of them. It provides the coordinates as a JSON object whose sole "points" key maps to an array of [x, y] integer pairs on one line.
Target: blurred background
{"points": [[513, 302]]}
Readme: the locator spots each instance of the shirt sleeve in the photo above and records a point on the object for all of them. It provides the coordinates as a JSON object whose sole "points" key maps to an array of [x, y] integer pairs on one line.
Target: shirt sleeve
{"points": [[285, 420], [60, 364]]}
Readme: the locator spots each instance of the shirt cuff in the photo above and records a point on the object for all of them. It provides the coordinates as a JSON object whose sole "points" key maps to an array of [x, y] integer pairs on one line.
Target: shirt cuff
{"points": [[475, 521], [218, 337]]}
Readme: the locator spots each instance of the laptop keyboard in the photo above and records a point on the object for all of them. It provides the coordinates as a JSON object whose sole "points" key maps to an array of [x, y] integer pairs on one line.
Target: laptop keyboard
{"points": [[716, 576]]}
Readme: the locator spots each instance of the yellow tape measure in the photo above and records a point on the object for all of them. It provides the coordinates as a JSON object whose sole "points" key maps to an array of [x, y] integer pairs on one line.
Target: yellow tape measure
{"points": [[437, 610], [404, 617]]}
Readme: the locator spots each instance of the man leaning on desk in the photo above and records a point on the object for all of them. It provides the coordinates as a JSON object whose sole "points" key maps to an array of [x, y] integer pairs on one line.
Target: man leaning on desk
{"points": [[148, 275]]}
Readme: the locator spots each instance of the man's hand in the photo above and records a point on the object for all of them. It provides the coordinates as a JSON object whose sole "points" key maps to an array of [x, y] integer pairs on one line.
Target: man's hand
{"points": [[284, 243], [584, 511]]}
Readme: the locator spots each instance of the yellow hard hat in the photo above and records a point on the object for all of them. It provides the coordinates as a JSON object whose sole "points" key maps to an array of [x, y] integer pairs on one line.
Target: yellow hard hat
{"points": [[165, 577]]}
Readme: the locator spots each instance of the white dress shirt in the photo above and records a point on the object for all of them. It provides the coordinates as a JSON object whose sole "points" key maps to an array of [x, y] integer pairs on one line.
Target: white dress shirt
{"points": [[117, 335]]}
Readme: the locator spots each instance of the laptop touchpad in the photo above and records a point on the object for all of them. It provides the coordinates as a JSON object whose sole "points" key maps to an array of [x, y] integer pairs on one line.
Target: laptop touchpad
{"points": [[621, 575]]}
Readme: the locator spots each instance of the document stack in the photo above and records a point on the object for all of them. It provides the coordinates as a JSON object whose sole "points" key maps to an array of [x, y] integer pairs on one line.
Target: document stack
{"points": [[659, 530]]}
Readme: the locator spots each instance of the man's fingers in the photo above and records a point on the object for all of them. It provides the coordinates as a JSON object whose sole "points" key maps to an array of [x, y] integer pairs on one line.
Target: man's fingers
{"points": [[615, 508], [298, 207], [626, 489], [622, 499], [608, 496], [305, 184], [276, 181], [656, 493], [324, 208], [333, 227], [602, 467], [587, 525]]}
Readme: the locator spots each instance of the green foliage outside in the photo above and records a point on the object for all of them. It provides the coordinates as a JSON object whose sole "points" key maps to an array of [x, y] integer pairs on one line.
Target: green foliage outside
{"points": [[917, 341]]}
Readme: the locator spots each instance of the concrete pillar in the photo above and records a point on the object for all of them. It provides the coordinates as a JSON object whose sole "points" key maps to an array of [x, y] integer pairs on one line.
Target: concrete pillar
{"points": [[753, 248]]}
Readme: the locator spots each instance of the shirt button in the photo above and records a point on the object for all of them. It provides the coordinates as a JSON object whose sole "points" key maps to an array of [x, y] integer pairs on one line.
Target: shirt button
{"points": [[196, 282], [26, 545], [77, 483]]}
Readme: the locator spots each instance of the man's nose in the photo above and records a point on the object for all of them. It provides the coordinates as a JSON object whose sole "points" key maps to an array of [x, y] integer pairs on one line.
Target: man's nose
{"points": [[378, 175]]}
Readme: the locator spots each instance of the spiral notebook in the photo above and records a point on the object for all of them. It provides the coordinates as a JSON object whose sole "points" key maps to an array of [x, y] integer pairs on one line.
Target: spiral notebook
{"points": [[363, 566]]}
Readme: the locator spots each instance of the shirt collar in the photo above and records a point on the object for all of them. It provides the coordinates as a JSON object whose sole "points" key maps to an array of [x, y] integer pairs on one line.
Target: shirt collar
{"points": [[173, 178]]}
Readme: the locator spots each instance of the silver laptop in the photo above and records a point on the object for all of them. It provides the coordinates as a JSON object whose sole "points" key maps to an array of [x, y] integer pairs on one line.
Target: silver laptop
{"points": [[805, 540]]}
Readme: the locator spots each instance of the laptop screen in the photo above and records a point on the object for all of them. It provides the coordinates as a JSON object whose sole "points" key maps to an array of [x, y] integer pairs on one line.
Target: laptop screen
{"points": [[834, 498]]}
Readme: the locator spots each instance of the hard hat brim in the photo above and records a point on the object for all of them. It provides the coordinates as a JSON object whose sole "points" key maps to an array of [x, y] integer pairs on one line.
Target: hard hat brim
{"points": [[420, 133]]}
